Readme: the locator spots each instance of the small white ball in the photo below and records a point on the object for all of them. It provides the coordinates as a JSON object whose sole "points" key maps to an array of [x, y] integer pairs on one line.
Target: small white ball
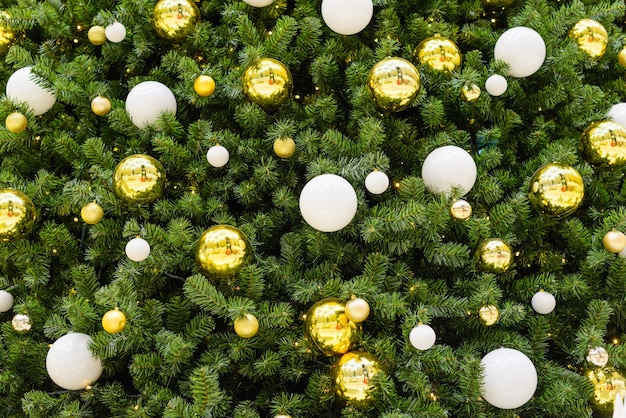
{"points": [[147, 101], [115, 32], [523, 49], [447, 168], [509, 378], [422, 337], [137, 249], [22, 87], [376, 182], [217, 156], [347, 17], [496, 85], [6, 301], [623, 253], [70, 364], [543, 302], [328, 202], [617, 113], [259, 3]]}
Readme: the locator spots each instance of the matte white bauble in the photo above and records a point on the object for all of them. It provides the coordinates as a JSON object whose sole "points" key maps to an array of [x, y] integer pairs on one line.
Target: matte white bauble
{"points": [[523, 49], [137, 249], [115, 32], [328, 202], [496, 85], [376, 182], [509, 379], [617, 113], [22, 87], [259, 3], [422, 337], [6, 301], [217, 156], [147, 101], [70, 363], [447, 168], [347, 17], [543, 302]]}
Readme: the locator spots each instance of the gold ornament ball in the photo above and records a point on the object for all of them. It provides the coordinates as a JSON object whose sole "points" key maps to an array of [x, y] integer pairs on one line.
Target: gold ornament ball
{"points": [[17, 215], [494, 255], [284, 147], [114, 321], [329, 329], [439, 53], [603, 144], [351, 375], [139, 178], [282, 416], [488, 315], [606, 385], [556, 190], [100, 105], [591, 37], [223, 250], [246, 326], [7, 34], [614, 241], [21, 323], [598, 356], [621, 57], [91, 213], [268, 83], [470, 92], [357, 309], [393, 84], [16, 122], [204, 85], [175, 19], [461, 210], [96, 35]]}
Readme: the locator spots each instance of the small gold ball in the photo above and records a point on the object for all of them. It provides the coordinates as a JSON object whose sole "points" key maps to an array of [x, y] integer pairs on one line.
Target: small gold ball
{"points": [[246, 326], [614, 241], [16, 122], [439, 53], [591, 37], [351, 375], [489, 315], [174, 20], [470, 92], [114, 321], [556, 190], [284, 147], [139, 178], [100, 105], [268, 83], [357, 309], [328, 328], [96, 35], [461, 210], [17, 215], [223, 250], [204, 85], [494, 255], [393, 84], [621, 57], [92, 213], [21, 323]]}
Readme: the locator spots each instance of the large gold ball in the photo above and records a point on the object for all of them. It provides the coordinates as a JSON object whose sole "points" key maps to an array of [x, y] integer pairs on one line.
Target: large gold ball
{"points": [[97, 35], [439, 53], [393, 84], [100, 105], [16, 122], [284, 147], [204, 85], [556, 190], [621, 57], [357, 309], [114, 321], [606, 385], [614, 241], [488, 315], [591, 37], [351, 376], [268, 83], [92, 213], [17, 215], [494, 255], [175, 19], [603, 144], [139, 178], [246, 326], [223, 250], [7, 34], [329, 329]]}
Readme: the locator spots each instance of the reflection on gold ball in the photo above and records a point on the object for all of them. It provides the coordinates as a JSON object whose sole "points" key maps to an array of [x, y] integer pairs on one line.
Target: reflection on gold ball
{"points": [[17, 215], [328, 328], [603, 144], [268, 83], [606, 385], [591, 37], [393, 84], [7, 34], [470, 92], [621, 57], [439, 53], [556, 190], [598, 356], [139, 178], [246, 326], [100, 105], [96, 35], [494, 255], [351, 376], [223, 250], [488, 315], [92, 213], [461, 210], [284, 147], [357, 309], [175, 19], [16, 122], [614, 241], [114, 321], [21, 323], [204, 85]]}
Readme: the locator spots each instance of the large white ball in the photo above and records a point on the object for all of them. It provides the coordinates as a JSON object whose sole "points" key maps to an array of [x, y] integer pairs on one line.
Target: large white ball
{"points": [[70, 363], [449, 167], [496, 85], [6, 301], [328, 202], [510, 378], [617, 113], [523, 49], [347, 17], [22, 87], [543, 302], [147, 101], [115, 32], [422, 337], [259, 3], [376, 182], [217, 156], [137, 249]]}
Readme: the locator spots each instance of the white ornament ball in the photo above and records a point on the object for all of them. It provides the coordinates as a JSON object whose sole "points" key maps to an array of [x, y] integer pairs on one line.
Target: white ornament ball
{"points": [[137, 249], [6, 301], [543, 302], [447, 168], [115, 32], [328, 202], [422, 337], [496, 85], [376, 182], [22, 87], [510, 378], [617, 113], [347, 17], [147, 101], [217, 156], [623, 253], [259, 3], [70, 363], [523, 49]]}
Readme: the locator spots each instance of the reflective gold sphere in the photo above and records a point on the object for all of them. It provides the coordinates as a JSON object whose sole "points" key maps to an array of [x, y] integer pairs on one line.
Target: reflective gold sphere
{"points": [[284, 147], [139, 178], [97, 35], [351, 376], [100, 105], [494, 255], [16, 122], [223, 250], [607, 384], [114, 321], [268, 83], [591, 37], [7, 34], [17, 215], [204, 85], [393, 84], [461, 210], [614, 241], [175, 19], [556, 190], [21, 323], [621, 57], [439, 53], [92, 213], [488, 315], [598, 356], [470, 92], [603, 144], [246, 326], [328, 328]]}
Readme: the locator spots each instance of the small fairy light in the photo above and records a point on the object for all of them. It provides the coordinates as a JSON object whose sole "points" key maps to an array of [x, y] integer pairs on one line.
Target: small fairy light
{"points": [[432, 396], [269, 32], [75, 219], [396, 184], [517, 254], [136, 407], [54, 251], [297, 97], [615, 340], [88, 387], [75, 40], [79, 28]]}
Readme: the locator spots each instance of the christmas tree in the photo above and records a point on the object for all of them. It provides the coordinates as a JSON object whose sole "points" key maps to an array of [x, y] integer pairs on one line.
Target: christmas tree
{"points": [[336, 208]]}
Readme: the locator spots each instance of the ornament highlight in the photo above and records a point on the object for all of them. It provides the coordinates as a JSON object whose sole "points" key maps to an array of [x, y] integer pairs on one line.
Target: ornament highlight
{"points": [[328, 328], [21, 323], [246, 326], [137, 249], [16, 122], [496, 85], [284, 147], [598, 356], [357, 309], [115, 32], [147, 101], [347, 17], [614, 241], [70, 363], [22, 87], [543, 302], [376, 182], [461, 210], [204, 85], [175, 19], [351, 375], [139, 178], [422, 337], [6, 301], [494, 255], [328, 202], [470, 92], [223, 250], [591, 37], [114, 321], [97, 35], [268, 83], [556, 190], [100, 106], [603, 144], [439, 53], [488, 315], [509, 379], [523, 49], [606, 385], [17, 215], [217, 156], [447, 169], [92, 213], [393, 84]]}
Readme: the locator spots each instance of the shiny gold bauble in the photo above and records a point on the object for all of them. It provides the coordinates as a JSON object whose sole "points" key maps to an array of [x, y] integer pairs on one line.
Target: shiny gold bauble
{"points": [[606, 385], [488, 315], [139, 178], [91, 213], [328, 328], [470, 92], [393, 84], [603, 144], [439, 53], [97, 35], [17, 215], [114, 321], [7, 34], [497, 4], [223, 250], [598, 356], [284, 147], [21, 323], [591, 37], [246, 326], [204, 85], [100, 105], [268, 83], [16, 122], [357, 309], [351, 375], [175, 19], [614, 241], [461, 210], [494, 255], [556, 190], [621, 57]]}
